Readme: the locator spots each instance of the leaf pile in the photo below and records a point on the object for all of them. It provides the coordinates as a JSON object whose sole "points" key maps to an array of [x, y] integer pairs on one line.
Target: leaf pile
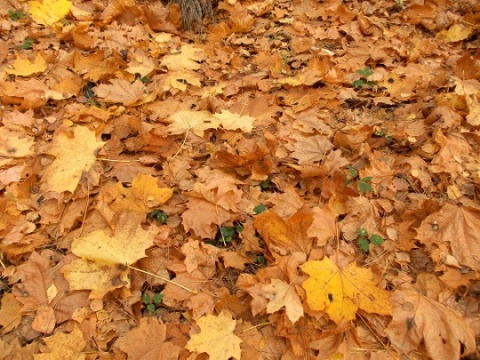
{"points": [[298, 181]]}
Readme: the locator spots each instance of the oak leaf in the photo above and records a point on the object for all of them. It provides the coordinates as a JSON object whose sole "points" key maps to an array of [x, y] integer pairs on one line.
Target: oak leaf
{"points": [[283, 295], [126, 246], [340, 293], [74, 155], [216, 337], [418, 319], [48, 12], [64, 346]]}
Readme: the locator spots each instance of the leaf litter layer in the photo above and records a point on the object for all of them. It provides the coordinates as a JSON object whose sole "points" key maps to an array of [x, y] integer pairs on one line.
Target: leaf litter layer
{"points": [[298, 181]]}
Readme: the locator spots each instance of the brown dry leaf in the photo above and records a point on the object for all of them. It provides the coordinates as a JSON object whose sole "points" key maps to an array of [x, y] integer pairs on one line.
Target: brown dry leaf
{"points": [[126, 246], [312, 149], [74, 154], [340, 293], [156, 348], [202, 217], [64, 346], [418, 319], [323, 227], [10, 316], [121, 91], [100, 279], [284, 236], [216, 337], [280, 294], [455, 226], [143, 196]]}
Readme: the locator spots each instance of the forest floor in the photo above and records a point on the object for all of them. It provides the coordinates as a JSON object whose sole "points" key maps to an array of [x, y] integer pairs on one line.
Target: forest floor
{"points": [[298, 180]]}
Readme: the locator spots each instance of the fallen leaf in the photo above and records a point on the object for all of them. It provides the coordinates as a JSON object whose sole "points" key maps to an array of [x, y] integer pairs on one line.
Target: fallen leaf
{"points": [[126, 246], [74, 155], [456, 32], [283, 295], [340, 293], [418, 319], [64, 346], [48, 12], [143, 196], [24, 67], [10, 316], [216, 337], [229, 121], [121, 91], [188, 58], [452, 225], [156, 348], [100, 279]]}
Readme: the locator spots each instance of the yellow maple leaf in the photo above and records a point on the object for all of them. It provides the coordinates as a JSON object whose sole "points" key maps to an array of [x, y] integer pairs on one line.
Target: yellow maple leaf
{"points": [[24, 67], [74, 155], [216, 337], [142, 197], [100, 279], [64, 346], [187, 58], [125, 246], [48, 12], [341, 292]]}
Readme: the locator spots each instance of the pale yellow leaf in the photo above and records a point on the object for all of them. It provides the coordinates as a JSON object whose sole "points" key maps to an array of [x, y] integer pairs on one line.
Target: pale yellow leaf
{"points": [[188, 58], [74, 155], [125, 246], [216, 337]]}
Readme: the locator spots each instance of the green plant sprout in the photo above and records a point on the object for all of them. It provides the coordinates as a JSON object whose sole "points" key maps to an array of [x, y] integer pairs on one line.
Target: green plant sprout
{"points": [[16, 15], [364, 240], [363, 81], [158, 215], [259, 209], [152, 302], [364, 184]]}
